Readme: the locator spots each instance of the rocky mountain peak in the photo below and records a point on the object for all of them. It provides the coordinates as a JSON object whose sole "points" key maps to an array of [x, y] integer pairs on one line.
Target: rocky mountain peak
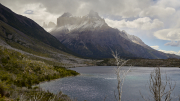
{"points": [[51, 24], [66, 14], [93, 14], [91, 22], [44, 25]]}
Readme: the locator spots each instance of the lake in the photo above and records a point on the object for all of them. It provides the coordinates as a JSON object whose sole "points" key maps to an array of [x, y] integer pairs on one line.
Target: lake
{"points": [[99, 82]]}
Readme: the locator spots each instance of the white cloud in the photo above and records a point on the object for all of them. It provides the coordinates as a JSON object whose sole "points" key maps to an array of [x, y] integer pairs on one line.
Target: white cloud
{"points": [[157, 11], [168, 34], [109, 8], [38, 13], [155, 47], [173, 43], [141, 23], [169, 3], [124, 8], [169, 52]]}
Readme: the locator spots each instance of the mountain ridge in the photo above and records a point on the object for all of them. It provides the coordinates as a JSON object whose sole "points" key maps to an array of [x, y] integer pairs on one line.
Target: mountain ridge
{"points": [[92, 37], [17, 40], [29, 27]]}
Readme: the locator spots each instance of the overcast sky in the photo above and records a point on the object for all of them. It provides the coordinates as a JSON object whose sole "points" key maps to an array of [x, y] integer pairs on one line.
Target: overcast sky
{"points": [[156, 22]]}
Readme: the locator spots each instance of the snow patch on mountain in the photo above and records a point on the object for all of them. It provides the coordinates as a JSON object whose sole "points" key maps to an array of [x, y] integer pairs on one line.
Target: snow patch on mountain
{"points": [[137, 40]]}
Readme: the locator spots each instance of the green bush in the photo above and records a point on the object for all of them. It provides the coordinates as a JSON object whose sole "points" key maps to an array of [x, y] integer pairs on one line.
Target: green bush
{"points": [[19, 71], [2, 98], [2, 90], [64, 72]]}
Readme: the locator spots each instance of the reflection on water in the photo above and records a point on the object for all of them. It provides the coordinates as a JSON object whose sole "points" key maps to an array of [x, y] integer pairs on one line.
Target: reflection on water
{"points": [[96, 83]]}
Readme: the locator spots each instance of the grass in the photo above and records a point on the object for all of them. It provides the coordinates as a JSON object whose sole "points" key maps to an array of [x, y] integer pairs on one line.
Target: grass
{"points": [[19, 70]]}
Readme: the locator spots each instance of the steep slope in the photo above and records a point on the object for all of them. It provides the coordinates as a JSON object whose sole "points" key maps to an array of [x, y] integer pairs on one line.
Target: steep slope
{"points": [[29, 27], [35, 47], [90, 36], [14, 39]]}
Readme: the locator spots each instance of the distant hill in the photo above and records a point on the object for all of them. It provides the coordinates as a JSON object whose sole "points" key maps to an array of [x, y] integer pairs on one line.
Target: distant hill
{"points": [[90, 36]]}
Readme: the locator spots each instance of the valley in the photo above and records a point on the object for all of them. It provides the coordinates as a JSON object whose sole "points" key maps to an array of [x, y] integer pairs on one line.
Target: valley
{"points": [[30, 57]]}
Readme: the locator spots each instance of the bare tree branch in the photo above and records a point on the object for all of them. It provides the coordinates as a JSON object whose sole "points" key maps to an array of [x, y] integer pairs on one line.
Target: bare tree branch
{"points": [[158, 88], [120, 73]]}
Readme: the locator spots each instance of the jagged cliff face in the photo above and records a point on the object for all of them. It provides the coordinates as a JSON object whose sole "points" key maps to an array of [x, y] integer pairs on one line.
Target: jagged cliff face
{"points": [[50, 25], [89, 22], [90, 36]]}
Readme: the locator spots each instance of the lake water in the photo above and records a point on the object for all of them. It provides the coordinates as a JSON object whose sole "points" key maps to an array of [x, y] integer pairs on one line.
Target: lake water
{"points": [[99, 82]]}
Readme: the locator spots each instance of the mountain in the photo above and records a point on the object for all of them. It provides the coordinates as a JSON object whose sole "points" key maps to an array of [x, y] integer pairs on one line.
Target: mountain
{"points": [[90, 36], [92, 21], [49, 25], [22, 34], [29, 27]]}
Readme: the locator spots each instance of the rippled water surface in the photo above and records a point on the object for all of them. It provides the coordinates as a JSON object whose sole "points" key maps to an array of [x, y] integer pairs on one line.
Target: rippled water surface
{"points": [[99, 82]]}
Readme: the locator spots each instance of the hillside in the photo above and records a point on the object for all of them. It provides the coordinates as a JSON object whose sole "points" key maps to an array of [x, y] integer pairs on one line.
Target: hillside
{"points": [[30, 55], [31, 39], [18, 70], [29, 27], [12, 38]]}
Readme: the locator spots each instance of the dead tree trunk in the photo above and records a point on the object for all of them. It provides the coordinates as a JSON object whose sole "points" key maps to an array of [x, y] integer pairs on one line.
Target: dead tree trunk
{"points": [[121, 75], [159, 89]]}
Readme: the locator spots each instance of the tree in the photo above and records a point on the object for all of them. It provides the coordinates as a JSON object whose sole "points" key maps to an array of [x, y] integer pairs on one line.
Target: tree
{"points": [[160, 89], [121, 75]]}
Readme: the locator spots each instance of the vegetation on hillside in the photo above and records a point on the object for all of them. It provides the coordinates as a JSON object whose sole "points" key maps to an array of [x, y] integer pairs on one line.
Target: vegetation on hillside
{"points": [[19, 40], [18, 70], [171, 62]]}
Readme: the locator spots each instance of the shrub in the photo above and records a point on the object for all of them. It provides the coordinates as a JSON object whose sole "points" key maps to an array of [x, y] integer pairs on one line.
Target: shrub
{"points": [[2, 90]]}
